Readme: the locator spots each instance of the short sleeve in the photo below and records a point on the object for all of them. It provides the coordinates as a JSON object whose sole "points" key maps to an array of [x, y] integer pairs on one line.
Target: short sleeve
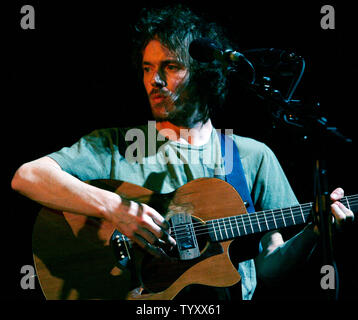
{"points": [[91, 157]]}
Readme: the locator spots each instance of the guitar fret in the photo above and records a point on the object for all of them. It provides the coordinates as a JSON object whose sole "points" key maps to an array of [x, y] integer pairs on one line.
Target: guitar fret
{"points": [[293, 218], [303, 216], [216, 237], [227, 236], [274, 220], [258, 222], [351, 204], [240, 224], [288, 217], [283, 218], [242, 221], [232, 231], [237, 226], [348, 205], [221, 230], [216, 229], [252, 229], [227, 231], [268, 228]]}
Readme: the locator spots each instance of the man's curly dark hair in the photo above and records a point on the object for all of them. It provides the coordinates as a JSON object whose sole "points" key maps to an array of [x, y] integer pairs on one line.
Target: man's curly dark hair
{"points": [[176, 26]]}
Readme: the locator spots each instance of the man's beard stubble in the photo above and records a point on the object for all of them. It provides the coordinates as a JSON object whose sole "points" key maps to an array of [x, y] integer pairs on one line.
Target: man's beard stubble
{"points": [[184, 108]]}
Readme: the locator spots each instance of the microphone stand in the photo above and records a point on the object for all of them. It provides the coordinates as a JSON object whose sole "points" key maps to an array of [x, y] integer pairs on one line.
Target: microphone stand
{"points": [[293, 113]]}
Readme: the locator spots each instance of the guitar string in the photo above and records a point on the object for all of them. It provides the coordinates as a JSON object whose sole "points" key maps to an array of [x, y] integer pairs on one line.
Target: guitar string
{"points": [[267, 213], [221, 228], [225, 228], [253, 217], [203, 229], [230, 222], [249, 223], [222, 233], [260, 215], [227, 225], [233, 229]]}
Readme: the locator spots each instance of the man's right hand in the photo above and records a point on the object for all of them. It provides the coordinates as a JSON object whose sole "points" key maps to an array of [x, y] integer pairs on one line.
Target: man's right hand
{"points": [[144, 225]]}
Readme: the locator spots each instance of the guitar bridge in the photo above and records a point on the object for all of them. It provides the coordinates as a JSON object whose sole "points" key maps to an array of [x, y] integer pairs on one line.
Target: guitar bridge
{"points": [[185, 237], [122, 246]]}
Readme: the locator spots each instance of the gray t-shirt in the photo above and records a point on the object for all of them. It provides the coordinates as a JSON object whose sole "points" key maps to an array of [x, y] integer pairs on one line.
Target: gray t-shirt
{"points": [[141, 155]]}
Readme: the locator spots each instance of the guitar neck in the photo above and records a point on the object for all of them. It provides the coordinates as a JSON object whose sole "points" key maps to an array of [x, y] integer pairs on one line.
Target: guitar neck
{"points": [[223, 229]]}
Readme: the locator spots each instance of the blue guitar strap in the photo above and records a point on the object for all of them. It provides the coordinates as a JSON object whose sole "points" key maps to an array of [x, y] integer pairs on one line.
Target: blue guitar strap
{"points": [[234, 173]]}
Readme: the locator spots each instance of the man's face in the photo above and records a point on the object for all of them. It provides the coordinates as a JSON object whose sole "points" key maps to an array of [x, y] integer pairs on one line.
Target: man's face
{"points": [[163, 77]]}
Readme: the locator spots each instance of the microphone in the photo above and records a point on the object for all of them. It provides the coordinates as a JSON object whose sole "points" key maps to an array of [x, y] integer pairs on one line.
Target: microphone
{"points": [[207, 50]]}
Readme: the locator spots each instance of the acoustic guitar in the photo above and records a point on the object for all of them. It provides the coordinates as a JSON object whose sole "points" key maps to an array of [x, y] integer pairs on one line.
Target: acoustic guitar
{"points": [[80, 257]]}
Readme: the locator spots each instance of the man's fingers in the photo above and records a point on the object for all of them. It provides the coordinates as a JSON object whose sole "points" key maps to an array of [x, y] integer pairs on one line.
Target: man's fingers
{"points": [[337, 212], [158, 231], [160, 226], [149, 247], [145, 219], [337, 194], [147, 223], [157, 217], [341, 213], [146, 235]]}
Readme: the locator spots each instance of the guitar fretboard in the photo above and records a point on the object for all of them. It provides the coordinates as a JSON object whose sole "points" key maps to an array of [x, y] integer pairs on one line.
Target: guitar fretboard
{"points": [[232, 227]]}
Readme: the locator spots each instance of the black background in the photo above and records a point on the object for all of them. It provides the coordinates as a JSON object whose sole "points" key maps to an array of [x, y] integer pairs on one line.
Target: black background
{"points": [[72, 74]]}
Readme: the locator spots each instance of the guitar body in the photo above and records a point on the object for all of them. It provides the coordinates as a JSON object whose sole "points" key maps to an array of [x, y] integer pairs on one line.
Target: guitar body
{"points": [[74, 258]]}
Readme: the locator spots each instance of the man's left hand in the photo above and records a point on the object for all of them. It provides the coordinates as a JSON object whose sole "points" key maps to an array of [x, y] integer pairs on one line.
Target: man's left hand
{"points": [[342, 215]]}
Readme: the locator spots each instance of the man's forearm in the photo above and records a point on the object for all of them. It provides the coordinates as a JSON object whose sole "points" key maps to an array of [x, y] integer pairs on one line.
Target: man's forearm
{"points": [[43, 181]]}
